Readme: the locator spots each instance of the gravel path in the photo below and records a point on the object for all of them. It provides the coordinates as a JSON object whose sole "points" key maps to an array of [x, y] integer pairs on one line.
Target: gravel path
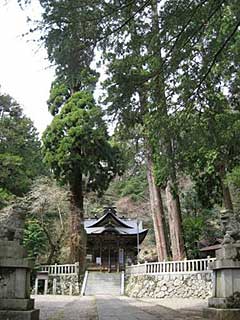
{"points": [[118, 308], [66, 307]]}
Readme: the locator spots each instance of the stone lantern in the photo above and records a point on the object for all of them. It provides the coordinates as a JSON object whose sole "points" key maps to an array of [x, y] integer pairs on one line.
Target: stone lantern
{"points": [[225, 302], [15, 267]]}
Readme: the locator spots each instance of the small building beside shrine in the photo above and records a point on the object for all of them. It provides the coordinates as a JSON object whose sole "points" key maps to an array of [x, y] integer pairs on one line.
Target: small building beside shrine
{"points": [[112, 241]]}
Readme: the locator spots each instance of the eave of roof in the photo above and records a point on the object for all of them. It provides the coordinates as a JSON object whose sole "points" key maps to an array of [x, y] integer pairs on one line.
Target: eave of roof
{"points": [[119, 230], [101, 231], [114, 217]]}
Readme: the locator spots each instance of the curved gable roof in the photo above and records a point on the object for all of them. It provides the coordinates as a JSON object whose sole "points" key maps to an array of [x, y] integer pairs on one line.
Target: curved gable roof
{"points": [[110, 217]]}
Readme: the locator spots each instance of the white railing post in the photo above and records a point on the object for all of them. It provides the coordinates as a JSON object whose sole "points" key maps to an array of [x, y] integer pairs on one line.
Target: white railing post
{"points": [[146, 267], [165, 266], [185, 265], [76, 267], [55, 269], [84, 283], [208, 261]]}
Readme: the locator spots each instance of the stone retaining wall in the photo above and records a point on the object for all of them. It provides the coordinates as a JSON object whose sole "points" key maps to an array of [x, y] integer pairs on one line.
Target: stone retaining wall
{"points": [[62, 285], [197, 285], [65, 285]]}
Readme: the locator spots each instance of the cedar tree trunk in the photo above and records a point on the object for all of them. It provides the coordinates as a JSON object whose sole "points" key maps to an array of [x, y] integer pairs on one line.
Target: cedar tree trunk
{"points": [[78, 234], [175, 223], [173, 204], [157, 211]]}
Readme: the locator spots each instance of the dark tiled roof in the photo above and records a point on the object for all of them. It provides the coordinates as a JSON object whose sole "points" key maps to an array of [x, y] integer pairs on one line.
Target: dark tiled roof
{"points": [[112, 223]]}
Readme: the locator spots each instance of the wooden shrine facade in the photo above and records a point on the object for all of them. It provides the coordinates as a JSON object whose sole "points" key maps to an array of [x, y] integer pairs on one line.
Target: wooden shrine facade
{"points": [[112, 242]]}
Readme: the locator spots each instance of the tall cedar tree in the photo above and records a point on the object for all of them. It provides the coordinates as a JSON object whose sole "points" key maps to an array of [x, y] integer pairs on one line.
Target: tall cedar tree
{"points": [[76, 144], [137, 98], [204, 45], [77, 148], [181, 46], [127, 100]]}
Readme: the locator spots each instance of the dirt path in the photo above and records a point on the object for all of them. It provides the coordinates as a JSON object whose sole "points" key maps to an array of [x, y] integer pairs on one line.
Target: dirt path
{"points": [[118, 308]]}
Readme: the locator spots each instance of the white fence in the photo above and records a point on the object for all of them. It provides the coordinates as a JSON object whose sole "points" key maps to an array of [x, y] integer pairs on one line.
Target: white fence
{"points": [[60, 269], [183, 266]]}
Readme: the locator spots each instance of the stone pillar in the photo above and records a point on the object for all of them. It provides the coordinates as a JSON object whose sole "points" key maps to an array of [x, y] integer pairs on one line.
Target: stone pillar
{"points": [[62, 286], [54, 286], [225, 302], [36, 286], [45, 286], [15, 302], [70, 289]]}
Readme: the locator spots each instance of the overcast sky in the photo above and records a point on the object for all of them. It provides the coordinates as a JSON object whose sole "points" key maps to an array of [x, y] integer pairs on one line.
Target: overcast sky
{"points": [[24, 70]]}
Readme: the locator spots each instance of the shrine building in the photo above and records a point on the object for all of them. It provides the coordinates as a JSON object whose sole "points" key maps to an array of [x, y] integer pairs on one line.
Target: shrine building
{"points": [[112, 241]]}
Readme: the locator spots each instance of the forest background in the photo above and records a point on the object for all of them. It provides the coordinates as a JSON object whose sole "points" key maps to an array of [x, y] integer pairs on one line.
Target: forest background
{"points": [[171, 103]]}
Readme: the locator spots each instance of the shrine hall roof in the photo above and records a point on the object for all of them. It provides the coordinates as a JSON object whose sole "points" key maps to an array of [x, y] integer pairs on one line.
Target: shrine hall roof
{"points": [[132, 223], [111, 222]]}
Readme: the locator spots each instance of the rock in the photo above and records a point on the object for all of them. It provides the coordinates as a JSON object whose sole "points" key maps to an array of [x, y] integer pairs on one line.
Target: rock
{"points": [[161, 294], [177, 282], [164, 288]]}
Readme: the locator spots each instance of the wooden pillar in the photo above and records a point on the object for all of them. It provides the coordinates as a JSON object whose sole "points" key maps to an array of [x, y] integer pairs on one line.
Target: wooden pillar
{"points": [[118, 256], [122, 258], [109, 258], [101, 254]]}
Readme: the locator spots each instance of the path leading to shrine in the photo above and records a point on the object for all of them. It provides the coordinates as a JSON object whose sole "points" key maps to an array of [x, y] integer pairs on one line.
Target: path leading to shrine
{"points": [[118, 308]]}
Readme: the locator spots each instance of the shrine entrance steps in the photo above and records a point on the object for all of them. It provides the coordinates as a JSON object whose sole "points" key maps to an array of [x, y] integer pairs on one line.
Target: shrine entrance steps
{"points": [[103, 283]]}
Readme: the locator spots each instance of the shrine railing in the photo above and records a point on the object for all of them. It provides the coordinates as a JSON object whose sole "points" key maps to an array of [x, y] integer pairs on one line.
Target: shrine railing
{"points": [[164, 267], [60, 269]]}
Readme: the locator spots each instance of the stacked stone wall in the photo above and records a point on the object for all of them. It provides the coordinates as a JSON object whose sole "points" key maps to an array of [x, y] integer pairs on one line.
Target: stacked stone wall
{"points": [[197, 285], [63, 285]]}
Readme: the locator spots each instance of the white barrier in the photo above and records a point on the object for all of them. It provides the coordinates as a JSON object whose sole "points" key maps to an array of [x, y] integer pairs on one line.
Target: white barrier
{"points": [[60, 269], [181, 266]]}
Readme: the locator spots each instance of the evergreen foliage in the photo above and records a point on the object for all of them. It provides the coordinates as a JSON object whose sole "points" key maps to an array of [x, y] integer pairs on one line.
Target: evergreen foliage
{"points": [[35, 240], [76, 143], [20, 156], [172, 83]]}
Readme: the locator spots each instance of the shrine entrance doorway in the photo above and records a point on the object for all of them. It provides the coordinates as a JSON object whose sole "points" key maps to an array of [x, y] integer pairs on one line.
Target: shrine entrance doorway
{"points": [[106, 257], [110, 259]]}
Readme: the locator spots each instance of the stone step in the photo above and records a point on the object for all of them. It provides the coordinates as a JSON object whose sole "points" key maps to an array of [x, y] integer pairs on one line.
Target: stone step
{"points": [[103, 283]]}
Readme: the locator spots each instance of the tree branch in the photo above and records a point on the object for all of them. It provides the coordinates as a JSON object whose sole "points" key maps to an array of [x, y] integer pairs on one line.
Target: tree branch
{"points": [[204, 23], [126, 21], [183, 29], [224, 44]]}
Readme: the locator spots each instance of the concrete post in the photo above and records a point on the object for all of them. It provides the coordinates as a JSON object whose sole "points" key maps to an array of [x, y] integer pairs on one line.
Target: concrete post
{"points": [[36, 286], [45, 286], [54, 286], [62, 287], [70, 289]]}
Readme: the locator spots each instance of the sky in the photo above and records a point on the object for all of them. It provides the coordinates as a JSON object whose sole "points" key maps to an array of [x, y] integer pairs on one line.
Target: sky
{"points": [[25, 73]]}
